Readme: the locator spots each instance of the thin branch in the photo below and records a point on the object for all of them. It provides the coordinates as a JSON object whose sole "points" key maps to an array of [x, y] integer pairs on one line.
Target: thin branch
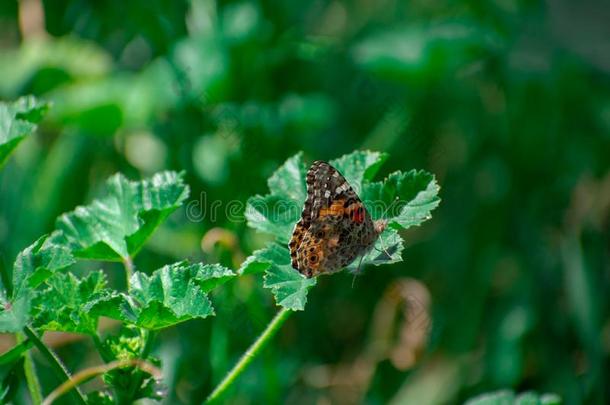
{"points": [[250, 354], [60, 370], [88, 373]]}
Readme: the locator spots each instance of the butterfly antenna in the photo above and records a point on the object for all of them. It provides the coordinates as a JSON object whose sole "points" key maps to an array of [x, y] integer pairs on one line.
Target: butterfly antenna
{"points": [[389, 206]]}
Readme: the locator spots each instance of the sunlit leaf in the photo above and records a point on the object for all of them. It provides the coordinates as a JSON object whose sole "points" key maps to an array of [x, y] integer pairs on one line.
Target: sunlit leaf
{"points": [[261, 259], [404, 199], [289, 287], [33, 266], [62, 305], [172, 294], [116, 226]]}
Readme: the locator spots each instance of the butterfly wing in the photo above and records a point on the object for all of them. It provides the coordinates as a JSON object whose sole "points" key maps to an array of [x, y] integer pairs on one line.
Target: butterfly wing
{"points": [[334, 228]]}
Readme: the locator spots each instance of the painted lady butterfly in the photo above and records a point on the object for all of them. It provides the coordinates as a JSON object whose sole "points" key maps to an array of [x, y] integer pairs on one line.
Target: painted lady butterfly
{"points": [[335, 227]]}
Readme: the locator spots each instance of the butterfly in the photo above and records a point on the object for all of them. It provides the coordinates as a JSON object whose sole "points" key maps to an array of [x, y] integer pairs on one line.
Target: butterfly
{"points": [[335, 228]]}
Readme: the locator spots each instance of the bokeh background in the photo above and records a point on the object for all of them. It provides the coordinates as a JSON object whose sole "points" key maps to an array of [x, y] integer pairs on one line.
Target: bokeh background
{"points": [[507, 102]]}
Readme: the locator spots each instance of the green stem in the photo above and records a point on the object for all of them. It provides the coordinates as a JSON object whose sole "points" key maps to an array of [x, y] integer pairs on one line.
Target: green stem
{"points": [[250, 354], [128, 264], [30, 374], [55, 363], [137, 375], [102, 350]]}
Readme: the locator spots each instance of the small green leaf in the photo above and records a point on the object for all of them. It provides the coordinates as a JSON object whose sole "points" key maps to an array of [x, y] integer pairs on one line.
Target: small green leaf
{"points": [[172, 294], [261, 259], [289, 287], [288, 181], [359, 166], [39, 261], [273, 214], [33, 266], [62, 306], [116, 226], [18, 120], [408, 198]]}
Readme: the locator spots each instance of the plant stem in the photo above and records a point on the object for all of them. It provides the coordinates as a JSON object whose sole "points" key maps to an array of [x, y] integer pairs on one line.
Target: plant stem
{"points": [[250, 354], [137, 376], [55, 363], [128, 264], [88, 373], [30, 374]]}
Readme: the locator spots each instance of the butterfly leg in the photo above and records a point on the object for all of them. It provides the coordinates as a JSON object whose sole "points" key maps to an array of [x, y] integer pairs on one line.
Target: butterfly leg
{"points": [[357, 270]]}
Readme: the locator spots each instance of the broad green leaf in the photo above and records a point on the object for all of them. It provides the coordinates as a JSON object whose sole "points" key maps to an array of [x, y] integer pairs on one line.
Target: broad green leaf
{"points": [[359, 166], [288, 181], [273, 214], [62, 305], [33, 266], [289, 287], [404, 199], [172, 294], [506, 397], [116, 226], [18, 120], [261, 259]]}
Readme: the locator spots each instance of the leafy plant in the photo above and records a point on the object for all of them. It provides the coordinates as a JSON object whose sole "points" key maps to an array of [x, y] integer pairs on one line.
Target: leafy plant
{"points": [[113, 228], [405, 199], [45, 296]]}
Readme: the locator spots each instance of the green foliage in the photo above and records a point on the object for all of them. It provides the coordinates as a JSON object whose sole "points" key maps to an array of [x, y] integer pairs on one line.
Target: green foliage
{"points": [[171, 294], [116, 226], [414, 194], [63, 305], [18, 120], [509, 398], [506, 102], [33, 266]]}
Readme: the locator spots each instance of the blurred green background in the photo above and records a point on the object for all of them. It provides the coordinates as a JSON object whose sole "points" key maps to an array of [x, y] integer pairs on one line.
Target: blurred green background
{"points": [[507, 102]]}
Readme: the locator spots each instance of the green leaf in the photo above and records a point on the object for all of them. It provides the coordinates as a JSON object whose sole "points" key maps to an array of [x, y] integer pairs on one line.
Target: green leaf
{"points": [[273, 214], [404, 199], [172, 294], [18, 120], [116, 226], [33, 266], [506, 397], [289, 287], [359, 166], [15, 352], [262, 259], [411, 197], [63, 305], [288, 181]]}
